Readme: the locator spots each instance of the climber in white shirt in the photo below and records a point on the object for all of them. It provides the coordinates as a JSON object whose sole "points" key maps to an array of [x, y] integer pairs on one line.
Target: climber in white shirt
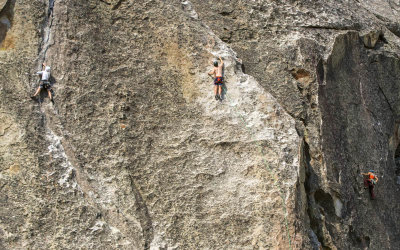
{"points": [[44, 82]]}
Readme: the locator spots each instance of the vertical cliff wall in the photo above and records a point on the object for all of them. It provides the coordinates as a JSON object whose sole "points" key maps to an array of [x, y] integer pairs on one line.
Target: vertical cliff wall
{"points": [[333, 67], [136, 153]]}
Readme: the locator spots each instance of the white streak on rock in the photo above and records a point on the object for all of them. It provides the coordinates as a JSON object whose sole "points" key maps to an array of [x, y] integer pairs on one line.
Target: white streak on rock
{"points": [[56, 150], [98, 226], [187, 6], [338, 206]]}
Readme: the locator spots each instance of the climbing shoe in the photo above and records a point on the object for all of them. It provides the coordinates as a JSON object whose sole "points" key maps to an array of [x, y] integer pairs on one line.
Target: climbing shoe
{"points": [[216, 97], [52, 100]]}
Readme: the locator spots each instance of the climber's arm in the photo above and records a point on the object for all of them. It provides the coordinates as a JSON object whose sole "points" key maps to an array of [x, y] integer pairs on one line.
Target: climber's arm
{"points": [[212, 72], [41, 72]]}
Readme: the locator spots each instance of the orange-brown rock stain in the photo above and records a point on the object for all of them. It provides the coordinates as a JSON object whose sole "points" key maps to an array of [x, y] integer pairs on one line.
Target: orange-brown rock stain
{"points": [[179, 60]]}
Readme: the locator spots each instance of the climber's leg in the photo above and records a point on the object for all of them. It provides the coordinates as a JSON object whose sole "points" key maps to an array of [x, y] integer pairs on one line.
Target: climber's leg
{"points": [[371, 191], [216, 92], [37, 91]]}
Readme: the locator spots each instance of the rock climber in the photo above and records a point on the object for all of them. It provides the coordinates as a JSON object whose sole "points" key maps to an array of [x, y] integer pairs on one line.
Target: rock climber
{"points": [[44, 82], [370, 179], [219, 79]]}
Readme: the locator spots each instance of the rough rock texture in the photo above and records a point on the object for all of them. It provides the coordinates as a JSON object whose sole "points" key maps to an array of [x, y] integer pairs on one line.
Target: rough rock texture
{"points": [[136, 153]]}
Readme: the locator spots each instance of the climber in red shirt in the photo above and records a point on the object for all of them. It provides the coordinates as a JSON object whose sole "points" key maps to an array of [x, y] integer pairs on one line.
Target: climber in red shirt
{"points": [[370, 179]]}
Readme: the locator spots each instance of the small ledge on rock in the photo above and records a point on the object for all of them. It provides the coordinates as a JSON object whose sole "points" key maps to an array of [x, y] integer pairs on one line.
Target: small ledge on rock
{"points": [[370, 38], [302, 76]]}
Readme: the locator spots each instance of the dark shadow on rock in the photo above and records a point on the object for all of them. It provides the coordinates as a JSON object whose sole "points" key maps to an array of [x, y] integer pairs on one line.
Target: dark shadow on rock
{"points": [[52, 82], [6, 16], [223, 86], [224, 91], [381, 42]]}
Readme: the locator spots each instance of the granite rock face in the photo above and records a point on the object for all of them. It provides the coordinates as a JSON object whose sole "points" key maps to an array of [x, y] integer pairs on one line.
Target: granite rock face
{"points": [[136, 153]]}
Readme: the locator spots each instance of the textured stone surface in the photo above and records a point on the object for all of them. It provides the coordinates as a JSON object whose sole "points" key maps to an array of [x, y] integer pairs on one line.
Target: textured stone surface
{"points": [[136, 153], [338, 92]]}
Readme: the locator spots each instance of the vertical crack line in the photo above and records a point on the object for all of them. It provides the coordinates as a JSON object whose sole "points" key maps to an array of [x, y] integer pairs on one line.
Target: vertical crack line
{"points": [[144, 216], [117, 5], [386, 99], [364, 104], [46, 33], [46, 37]]}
